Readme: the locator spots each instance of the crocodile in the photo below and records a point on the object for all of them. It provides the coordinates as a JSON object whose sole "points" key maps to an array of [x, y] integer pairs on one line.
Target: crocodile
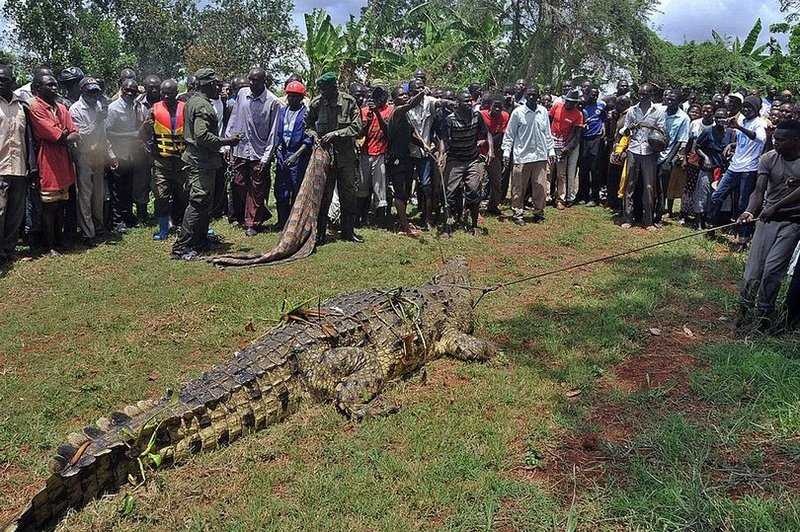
{"points": [[343, 351]]}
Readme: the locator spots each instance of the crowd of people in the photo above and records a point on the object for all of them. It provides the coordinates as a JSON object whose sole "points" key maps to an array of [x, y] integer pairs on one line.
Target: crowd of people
{"points": [[78, 164]]}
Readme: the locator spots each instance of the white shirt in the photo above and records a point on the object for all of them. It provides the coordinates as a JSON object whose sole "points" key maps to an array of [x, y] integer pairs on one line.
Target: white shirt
{"points": [[748, 152], [697, 126], [421, 119], [653, 116], [528, 135], [13, 152]]}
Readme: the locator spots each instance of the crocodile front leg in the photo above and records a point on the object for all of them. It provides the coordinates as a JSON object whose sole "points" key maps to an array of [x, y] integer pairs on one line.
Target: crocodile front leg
{"points": [[354, 380], [466, 347]]}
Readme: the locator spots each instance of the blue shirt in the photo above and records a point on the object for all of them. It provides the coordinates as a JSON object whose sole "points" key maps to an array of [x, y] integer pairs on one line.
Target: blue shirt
{"points": [[254, 117], [594, 117], [677, 129]]}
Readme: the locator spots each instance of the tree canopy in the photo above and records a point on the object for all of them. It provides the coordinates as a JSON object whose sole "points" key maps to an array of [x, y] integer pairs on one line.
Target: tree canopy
{"points": [[491, 42]]}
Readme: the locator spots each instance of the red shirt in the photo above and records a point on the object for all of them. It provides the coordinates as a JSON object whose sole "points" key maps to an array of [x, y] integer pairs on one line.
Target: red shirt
{"points": [[495, 125], [56, 171], [563, 121], [376, 143]]}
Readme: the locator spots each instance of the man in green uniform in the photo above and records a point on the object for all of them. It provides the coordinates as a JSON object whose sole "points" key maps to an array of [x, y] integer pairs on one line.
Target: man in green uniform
{"points": [[202, 158], [334, 120]]}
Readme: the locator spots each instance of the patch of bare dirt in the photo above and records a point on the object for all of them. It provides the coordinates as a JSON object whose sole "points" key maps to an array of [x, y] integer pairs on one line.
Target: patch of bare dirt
{"points": [[663, 366], [16, 489]]}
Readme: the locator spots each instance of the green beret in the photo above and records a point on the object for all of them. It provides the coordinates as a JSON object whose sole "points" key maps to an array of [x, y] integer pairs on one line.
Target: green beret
{"points": [[205, 76], [327, 77]]}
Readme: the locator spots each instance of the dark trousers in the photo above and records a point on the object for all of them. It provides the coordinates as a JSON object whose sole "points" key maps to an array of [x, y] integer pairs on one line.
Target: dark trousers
{"points": [[614, 175], [220, 207], [13, 214], [169, 188], [770, 254], [664, 171], [590, 176], [193, 234], [641, 182], [343, 178], [742, 183], [71, 213], [250, 192], [122, 194], [33, 213], [793, 299], [53, 224]]}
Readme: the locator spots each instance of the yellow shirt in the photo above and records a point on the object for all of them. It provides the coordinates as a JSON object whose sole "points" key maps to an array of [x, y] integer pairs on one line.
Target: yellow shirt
{"points": [[13, 154]]}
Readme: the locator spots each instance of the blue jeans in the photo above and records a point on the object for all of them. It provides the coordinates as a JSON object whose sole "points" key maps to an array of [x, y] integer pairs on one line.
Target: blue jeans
{"points": [[741, 182]]}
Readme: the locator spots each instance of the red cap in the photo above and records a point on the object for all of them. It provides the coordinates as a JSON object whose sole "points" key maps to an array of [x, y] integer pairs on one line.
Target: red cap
{"points": [[295, 87]]}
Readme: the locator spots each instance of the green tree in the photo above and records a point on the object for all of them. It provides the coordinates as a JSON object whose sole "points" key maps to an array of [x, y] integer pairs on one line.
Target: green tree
{"points": [[235, 35], [63, 33], [156, 32], [707, 65]]}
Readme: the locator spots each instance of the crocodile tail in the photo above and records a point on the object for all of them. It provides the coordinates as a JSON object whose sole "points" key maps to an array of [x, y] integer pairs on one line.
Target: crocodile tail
{"points": [[211, 411]]}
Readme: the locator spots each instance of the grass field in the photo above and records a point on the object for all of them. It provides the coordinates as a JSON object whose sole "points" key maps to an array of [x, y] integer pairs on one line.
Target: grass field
{"points": [[590, 421]]}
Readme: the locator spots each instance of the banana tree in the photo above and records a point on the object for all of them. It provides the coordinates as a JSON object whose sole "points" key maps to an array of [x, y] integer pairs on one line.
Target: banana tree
{"points": [[747, 48]]}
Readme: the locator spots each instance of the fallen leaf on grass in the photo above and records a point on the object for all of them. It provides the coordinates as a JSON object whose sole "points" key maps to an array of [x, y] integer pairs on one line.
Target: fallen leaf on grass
{"points": [[572, 393], [153, 376], [655, 331], [688, 332], [250, 327]]}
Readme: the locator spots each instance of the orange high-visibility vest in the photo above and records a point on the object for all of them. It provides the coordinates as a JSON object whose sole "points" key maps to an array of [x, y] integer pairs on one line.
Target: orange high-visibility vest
{"points": [[169, 142]]}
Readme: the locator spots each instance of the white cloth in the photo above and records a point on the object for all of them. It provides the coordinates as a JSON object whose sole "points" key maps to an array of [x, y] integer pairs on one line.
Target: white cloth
{"points": [[528, 135], [748, 152]]}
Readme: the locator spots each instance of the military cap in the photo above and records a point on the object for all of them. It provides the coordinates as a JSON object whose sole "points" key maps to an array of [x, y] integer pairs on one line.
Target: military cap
{"points": [[327, 77], [204, 76]]}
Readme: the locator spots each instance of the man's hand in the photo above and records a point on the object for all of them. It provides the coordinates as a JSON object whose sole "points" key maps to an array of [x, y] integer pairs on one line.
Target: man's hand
{"points": [[291, 159], [733, 123], [72, 138], [327, 138], [232, 141], [728, 151], [506, 161], [745, 218], [113, 163]]}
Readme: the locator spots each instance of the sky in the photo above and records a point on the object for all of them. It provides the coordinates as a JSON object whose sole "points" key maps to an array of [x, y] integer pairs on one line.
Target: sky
{"points": [[677, 19]]}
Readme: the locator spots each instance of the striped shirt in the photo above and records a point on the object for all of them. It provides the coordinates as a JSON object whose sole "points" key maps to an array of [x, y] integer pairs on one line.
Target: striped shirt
{"points": [[461, 137]]}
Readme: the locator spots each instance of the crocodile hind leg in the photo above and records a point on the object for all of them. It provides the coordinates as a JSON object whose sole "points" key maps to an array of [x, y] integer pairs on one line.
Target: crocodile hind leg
{"points": [[466, 347], [352, 377]]}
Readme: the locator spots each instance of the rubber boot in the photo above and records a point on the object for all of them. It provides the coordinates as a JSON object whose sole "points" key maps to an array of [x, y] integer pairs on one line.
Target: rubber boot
{"points": [[163, 229]]}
